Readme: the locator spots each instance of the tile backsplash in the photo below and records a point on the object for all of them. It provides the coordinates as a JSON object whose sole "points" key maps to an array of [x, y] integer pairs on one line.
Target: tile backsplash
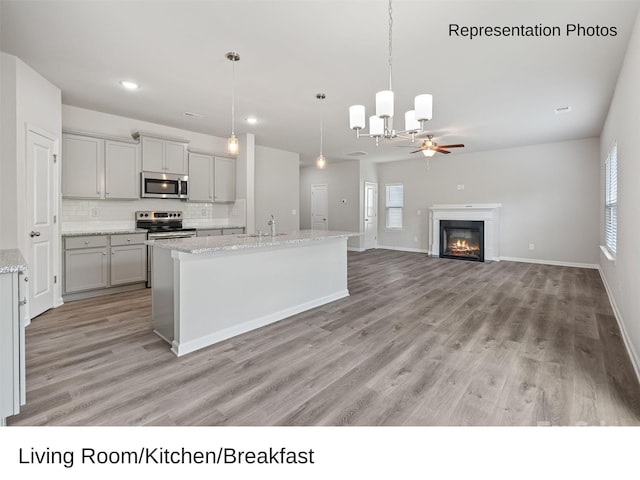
{"points": [[96, 214]]}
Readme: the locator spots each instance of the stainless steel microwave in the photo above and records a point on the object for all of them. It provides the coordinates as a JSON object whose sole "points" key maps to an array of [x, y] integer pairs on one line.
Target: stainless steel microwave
{"points": [[163, 185]]}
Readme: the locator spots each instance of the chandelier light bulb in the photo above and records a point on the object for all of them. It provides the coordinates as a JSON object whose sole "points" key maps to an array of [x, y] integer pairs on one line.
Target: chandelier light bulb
{"points": [[356, 117], [424, 107], [411, 125], [376, 126], [384, 104]]}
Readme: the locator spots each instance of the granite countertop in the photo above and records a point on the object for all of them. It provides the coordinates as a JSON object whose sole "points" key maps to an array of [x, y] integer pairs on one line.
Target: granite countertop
{"points": [[197, 245], [12, 261], [106, 231]]}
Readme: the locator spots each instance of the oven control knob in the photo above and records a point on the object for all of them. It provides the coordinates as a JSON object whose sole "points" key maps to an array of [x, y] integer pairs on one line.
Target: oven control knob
{"points": [[178, 214]]}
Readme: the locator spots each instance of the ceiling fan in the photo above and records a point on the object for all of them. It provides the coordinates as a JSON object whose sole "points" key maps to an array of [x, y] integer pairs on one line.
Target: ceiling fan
{"points": [[430, 148]]}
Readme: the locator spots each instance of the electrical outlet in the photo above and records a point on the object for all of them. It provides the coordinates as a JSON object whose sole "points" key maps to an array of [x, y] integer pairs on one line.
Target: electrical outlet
{"points": [[294, 212], [460, 187], [532, 246], [415, 239], [419, 212], [95, 212]]}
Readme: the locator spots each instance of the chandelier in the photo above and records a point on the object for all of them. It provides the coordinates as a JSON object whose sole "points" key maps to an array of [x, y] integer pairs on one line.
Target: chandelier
{"points": [[381, 124]]}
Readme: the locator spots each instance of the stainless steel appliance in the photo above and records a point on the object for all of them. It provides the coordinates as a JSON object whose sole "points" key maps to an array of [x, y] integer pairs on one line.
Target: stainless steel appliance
{"points": [[161, 226], [163, 185]]}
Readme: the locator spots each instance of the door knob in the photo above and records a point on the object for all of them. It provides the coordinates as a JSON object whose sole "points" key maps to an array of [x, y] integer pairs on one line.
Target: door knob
{"points": [[34, 234]]}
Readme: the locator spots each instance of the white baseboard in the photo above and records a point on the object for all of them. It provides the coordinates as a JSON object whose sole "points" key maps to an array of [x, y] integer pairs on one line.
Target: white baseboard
{"points": [[182, 348], [354, 249], [635, 360], [551, 262], [403, 249]]}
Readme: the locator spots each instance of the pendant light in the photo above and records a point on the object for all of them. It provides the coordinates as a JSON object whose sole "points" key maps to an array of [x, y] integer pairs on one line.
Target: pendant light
{"points": [[232, 142], [321, 161]]}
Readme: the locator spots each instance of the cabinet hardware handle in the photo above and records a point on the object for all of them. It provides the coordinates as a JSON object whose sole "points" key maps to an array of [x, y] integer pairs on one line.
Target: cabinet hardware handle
{"points": [[86, 242], [34, 234], [26, 279]]}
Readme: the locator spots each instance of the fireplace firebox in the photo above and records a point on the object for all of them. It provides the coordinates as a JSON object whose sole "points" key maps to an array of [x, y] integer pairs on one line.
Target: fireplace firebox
{"points": [[463, 240]]}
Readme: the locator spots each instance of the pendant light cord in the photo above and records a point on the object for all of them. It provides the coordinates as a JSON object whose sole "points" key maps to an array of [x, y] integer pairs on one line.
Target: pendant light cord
{"points": [[390, 44], [233, 97]]}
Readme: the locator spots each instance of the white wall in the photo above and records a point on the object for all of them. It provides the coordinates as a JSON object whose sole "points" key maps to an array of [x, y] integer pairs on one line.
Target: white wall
{"points": [[342, 179], [277, 187], [27, 99], [622, 276], [548, 195]]}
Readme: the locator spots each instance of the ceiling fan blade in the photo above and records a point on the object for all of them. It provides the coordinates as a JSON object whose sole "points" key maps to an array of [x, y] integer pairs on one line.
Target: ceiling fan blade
{"points": [[442, 151], [457, 145], [416, 151]]}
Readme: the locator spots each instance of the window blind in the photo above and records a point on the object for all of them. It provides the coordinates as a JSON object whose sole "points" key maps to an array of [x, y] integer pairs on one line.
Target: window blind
{"points": [[611, 200], [394, 205]]}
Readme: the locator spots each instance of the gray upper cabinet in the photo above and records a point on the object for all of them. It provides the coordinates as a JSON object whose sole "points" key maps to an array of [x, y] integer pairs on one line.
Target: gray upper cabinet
{"points": [[200, 177], [211, 179], [163, 155], [82, 167], [94, 167], [122, 170], [224, 175]]}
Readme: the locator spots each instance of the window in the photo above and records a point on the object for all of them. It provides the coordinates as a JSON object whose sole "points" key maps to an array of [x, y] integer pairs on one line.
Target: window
{"points": [[394, 204], [611, 199]]}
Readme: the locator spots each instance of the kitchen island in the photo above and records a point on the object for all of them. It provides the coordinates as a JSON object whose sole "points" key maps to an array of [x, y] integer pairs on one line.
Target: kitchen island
{"points": [[208, 289]]}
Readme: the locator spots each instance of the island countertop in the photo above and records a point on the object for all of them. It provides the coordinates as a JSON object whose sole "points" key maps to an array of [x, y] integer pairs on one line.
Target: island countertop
{"points": [[196, 245], [12, 261]]}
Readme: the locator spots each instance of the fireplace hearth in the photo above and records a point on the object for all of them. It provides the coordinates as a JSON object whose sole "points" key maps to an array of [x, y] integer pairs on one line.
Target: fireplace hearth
{"points": [[462, 240]]}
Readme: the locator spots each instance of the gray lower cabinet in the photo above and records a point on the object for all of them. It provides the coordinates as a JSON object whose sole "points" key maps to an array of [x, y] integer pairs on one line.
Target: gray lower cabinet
{"points": [[210, 232], [232, 231], [95, 262], [12, 366], [86, 263]]}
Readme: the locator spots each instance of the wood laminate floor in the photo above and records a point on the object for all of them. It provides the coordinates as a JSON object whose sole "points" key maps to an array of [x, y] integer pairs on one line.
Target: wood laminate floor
{"points": [[420, 341]]}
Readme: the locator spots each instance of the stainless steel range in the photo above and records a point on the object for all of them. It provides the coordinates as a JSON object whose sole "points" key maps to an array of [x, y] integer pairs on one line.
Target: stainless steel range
{"points": [[161, 226]]}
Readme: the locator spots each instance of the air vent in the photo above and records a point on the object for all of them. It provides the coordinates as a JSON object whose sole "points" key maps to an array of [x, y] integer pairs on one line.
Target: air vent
{"points": [[355, 154], [561, 110], [193, 115]]}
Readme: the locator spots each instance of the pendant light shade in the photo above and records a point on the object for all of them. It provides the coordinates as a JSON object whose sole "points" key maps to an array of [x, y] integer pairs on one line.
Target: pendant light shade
{"points": [[356, 117], [428, 152], [384, 104], [411, 125], [424, 107], [232, 145], [376, 126], [321, 162]]}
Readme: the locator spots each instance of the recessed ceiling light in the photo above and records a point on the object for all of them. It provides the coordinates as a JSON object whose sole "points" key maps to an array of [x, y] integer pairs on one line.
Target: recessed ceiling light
{"points": [[252, 120], [129, 85], [560, 110], [193, 115]]}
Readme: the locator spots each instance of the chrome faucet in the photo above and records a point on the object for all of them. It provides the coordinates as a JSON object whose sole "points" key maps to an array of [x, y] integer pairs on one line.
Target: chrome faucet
{"points": [[272, 224]]}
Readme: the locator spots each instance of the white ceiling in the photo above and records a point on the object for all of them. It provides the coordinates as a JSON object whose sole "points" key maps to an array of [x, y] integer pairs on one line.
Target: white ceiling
{"points": [[489, 93]]}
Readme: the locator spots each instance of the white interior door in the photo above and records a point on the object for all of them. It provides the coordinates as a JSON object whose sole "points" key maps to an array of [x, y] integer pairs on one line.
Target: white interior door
{"points": [[40, 224], [319, 207], [370, 215]]}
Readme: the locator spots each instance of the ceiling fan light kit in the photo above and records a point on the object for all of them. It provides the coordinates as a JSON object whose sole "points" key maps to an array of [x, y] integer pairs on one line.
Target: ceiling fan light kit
{"points": [[380, 124]]}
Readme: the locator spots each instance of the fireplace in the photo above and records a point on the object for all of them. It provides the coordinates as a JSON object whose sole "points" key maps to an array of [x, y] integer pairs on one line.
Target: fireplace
{"points": [[462, 239]]}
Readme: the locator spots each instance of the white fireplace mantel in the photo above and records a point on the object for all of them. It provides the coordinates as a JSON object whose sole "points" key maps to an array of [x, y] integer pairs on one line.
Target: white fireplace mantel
{"points": [[489, 213]]}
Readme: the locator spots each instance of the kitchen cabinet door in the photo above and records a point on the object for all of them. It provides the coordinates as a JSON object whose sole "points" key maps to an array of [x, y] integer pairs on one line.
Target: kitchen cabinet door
{"points": [[175, 154], [86, 269], [200, 177], [128, 264], [152, 154], [224, 176], [211, 232], [82, 167], [122, 171]]}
